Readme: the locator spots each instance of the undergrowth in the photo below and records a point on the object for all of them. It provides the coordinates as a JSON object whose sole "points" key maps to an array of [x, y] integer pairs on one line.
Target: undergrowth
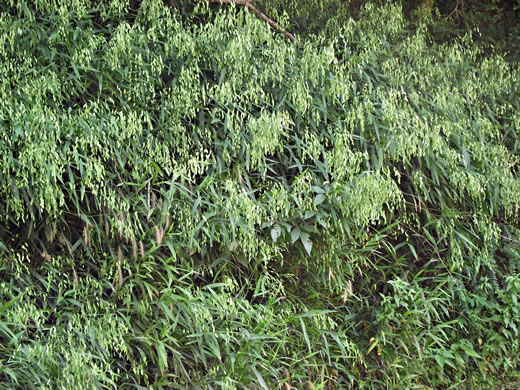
{"points": [[189, 200]]}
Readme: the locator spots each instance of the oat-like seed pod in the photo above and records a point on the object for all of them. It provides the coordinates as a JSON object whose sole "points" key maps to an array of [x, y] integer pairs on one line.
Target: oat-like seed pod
{"points": [[158, 235], [75, 275], [119, 270], [148, 197], [134, 248], [106, 227], [167, 222], [141, 248], [86, 235]]}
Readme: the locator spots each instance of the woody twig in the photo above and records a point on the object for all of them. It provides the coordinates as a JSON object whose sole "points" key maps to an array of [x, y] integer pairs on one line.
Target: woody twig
{"points": [[259, 14]]}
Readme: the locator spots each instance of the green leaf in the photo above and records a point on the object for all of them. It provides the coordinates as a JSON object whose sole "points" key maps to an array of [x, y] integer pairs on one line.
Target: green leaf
{"points": [[320, 198], [309, 214], [312, 313], [466, 157], [305, 335], [372, 346], [7, 305], [260, 379], [469, 350], [295, 234], [276, 232], [162, 357], [440, 360], [306, 241]]}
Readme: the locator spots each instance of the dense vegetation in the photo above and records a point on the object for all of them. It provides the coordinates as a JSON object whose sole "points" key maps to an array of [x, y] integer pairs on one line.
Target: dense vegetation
{"points": [[190, 200]]}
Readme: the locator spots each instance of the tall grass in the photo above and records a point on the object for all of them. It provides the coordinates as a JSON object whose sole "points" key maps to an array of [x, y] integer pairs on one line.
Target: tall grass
{"points": [[188, 200]]}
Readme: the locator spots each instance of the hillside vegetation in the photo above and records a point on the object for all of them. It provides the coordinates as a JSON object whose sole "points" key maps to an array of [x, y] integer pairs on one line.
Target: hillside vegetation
{"points": [[190, 200]]}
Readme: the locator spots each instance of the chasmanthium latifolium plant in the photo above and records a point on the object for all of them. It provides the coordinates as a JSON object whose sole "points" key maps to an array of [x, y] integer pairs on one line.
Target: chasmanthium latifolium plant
{"points": [[190, 200]]}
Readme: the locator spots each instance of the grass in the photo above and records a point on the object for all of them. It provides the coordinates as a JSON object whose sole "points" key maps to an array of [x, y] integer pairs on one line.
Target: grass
{"points": [[190, 200]]}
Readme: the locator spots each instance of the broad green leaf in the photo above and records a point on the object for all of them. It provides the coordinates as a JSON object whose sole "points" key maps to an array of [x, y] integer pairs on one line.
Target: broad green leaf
{"points": [[276, 232], [306, 241], [319, 199], [295, 234]]}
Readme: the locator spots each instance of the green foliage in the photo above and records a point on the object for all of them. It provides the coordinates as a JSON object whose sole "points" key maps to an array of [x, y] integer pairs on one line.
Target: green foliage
{"points": [[189, 199]]}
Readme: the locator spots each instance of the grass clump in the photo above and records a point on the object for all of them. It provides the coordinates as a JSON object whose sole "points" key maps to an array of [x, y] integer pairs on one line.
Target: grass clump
{"points": [[190, 200]]}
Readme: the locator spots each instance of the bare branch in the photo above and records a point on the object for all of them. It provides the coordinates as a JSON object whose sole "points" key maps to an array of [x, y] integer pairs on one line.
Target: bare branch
{"points": [[258, 13], [272, 23]]}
